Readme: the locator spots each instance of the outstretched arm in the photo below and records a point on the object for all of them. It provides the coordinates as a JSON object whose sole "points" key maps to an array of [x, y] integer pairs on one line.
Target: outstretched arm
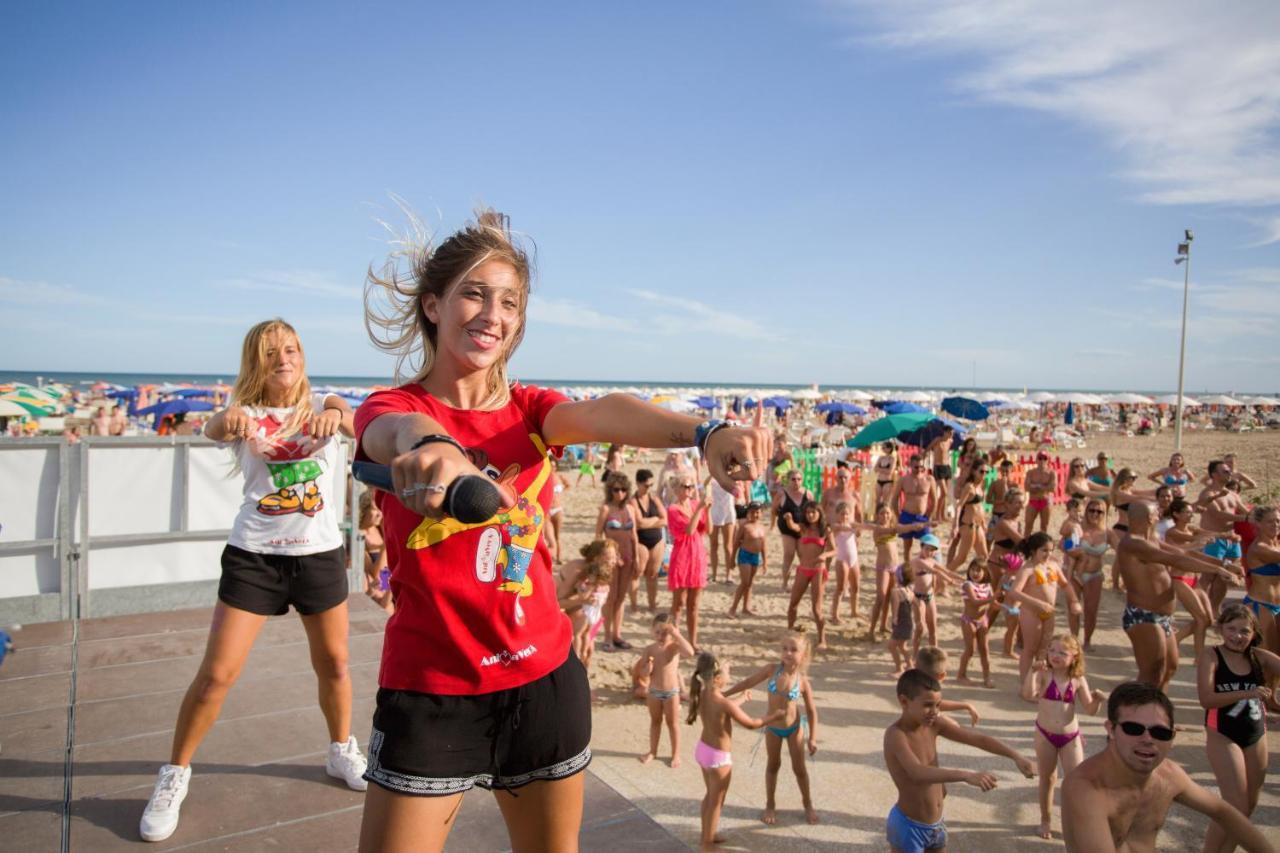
{"points": [[1233, 823], [951, 730], [750, 681]]}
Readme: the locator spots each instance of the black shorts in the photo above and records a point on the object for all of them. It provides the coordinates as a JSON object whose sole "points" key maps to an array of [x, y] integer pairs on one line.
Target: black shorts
{"points": [[267, 584], [434, 745], [942, 472]]}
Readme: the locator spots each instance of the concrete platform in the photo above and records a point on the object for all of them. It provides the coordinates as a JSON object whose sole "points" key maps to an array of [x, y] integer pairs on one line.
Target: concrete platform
{"points": [[86, 719]]}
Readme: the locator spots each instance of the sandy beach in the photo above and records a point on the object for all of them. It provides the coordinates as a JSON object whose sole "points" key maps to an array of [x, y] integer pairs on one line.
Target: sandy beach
{"points": [[856, 702]]}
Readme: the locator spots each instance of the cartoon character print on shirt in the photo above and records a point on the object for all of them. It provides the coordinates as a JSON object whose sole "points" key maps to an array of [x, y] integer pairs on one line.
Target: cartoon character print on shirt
{"points": [[293, 470], [505, 548]]}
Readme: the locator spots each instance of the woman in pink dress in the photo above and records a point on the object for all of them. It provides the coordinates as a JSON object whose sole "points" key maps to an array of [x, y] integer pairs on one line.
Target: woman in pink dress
{"points": [[687, 571]]}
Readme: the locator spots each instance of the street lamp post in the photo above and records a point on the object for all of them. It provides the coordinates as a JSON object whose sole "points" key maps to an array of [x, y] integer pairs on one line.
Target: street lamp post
{"points": [[1184, 258]]}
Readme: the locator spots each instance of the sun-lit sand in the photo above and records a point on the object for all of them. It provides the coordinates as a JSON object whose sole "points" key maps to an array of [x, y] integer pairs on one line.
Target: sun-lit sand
{"points": [[855, 702]]}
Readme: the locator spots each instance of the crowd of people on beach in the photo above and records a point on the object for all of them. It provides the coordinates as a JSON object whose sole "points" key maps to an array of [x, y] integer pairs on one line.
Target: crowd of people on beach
{"points": [[976, 535], [493, 622]]}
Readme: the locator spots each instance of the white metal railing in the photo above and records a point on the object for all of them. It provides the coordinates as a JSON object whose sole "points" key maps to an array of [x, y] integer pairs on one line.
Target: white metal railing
{"points": [[121, 525]]}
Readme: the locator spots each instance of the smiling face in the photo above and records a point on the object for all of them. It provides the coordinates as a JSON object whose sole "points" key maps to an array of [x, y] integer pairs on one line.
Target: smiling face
{"points": [[1059, 656], [479, 319], [284, 365], [1140, 753], [793, 649], [1237, 634]]}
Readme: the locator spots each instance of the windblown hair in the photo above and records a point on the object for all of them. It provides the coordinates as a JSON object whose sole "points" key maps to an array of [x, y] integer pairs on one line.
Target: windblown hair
{"points": [[417, 266], [251, 383], [705, 671]]}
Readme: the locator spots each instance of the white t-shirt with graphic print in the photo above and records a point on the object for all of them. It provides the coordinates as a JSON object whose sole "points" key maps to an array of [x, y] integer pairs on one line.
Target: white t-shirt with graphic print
{"points": [[290, 504]]}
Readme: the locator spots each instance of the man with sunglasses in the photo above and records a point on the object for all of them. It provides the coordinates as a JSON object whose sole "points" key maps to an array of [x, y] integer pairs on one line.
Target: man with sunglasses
{"points": [[1117, 800]]}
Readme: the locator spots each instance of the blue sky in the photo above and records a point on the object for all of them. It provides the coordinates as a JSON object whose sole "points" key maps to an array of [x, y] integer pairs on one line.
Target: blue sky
{"points": [[835, 192]]}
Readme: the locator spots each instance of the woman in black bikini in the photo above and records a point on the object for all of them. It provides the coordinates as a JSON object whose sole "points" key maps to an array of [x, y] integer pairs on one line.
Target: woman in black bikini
{"points": [[788, 516], [651, 521], [971, 525], [886, 472]]}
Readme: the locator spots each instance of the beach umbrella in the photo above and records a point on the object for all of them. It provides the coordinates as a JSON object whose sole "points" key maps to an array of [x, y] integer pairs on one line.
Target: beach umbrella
{"points": [[1070, 416], [901, 407], [704, 402], [857, 396], [173, 407], [805, 394], [890, 426], [1172, 400], [963, 407], [185, 393], [28, 408], [924, 435], [1264, 401], [1221, 400], [1042, 397], [14, 409], [1129, 399]]}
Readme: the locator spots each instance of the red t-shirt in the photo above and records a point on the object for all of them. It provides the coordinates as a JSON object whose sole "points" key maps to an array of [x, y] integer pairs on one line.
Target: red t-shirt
{"points": [[476, 608]]}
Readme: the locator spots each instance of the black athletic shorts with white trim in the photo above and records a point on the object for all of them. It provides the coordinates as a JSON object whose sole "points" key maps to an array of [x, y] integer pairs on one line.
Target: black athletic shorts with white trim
{"points": [[267, 584], [434, 745]]}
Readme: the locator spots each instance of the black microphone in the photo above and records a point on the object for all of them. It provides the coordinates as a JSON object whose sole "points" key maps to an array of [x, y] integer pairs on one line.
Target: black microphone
{"points": [[470, 498]]}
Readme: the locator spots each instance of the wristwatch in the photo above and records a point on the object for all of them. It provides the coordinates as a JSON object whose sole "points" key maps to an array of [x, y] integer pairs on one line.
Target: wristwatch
{"points": [[703, 432]]}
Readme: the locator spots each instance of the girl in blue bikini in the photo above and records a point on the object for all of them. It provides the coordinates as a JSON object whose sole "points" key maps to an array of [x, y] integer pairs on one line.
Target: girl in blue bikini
{"points": [[788, 686]]}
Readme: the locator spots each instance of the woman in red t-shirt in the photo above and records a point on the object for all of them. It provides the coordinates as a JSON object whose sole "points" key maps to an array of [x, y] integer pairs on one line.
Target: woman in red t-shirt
{"points": [[478, 683]]}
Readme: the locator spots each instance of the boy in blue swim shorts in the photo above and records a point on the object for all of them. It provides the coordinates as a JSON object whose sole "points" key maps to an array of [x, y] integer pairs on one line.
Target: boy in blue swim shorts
{"points": [[911, 753]]}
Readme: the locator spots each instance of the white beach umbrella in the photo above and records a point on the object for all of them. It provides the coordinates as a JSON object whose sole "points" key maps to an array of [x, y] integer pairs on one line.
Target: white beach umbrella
{"points": [[1263, 401], [856, 396], [1172, 400], [806, 394], [1075, 397], [1129, 399], [914, 397], [1042, 397], [1221, 400]]}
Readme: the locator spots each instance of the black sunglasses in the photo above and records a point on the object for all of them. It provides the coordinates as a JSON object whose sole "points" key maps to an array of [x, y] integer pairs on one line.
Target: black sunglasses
{"points": [[1132, 729]]}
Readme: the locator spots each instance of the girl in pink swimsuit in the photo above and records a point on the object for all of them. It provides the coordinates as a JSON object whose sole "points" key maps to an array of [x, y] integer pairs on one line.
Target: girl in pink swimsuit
{"points": [[1057, 683], [975, 622], [813, 547], [714, 750]]}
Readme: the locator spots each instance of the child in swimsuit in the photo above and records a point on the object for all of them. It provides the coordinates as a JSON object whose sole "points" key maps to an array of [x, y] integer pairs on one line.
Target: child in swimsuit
{"points": [[845, 537], [902, 606], [788, 686], [925, 567], [1035, 589], [1232, 681], [377, 573], [661, 662], [975, 622], [1195, 600], [584, 588], [751, 555], [713, 752], [813, 548], [885, 532], [1057, 683]]}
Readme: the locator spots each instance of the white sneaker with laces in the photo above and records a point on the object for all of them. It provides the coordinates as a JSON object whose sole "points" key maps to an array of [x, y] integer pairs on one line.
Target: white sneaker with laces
{"points": [[160, 817], [346, 762]]}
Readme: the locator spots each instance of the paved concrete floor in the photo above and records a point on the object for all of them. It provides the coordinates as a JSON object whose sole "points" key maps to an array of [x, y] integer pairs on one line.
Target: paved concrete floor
{"points": [[78, 772]]}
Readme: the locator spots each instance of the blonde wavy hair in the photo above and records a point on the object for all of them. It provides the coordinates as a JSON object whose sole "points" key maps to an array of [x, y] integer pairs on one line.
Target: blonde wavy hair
{"points": [[417, 266], [251, 383]]}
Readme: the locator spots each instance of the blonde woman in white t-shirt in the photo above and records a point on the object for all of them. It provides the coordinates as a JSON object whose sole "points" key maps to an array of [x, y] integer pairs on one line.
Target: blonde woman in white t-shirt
{"points": [[285, 549]]}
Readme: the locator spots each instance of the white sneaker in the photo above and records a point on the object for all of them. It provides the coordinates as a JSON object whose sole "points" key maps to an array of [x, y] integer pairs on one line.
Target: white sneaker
{"points": [[345, 762], [160, 817]]}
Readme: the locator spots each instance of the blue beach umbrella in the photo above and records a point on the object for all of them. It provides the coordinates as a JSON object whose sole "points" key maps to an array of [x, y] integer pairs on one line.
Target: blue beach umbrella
{"points": [[964, 407], [1070, 417], [173, 407], [927, 432]]}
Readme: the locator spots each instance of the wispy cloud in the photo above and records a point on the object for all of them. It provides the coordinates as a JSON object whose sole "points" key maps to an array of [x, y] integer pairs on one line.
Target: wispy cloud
{"points": [[16, 292], [1163, 284], [566, 312], [299, 282], [694, 316], [1189, 94]]}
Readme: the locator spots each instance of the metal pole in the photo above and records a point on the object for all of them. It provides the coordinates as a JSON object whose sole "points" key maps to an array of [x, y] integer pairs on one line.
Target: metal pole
{"points": [[1182, 345]]}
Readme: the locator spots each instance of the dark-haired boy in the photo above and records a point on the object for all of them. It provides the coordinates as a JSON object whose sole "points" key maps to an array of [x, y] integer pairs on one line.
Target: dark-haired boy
{"points": [[1118, 799], [911, 753]]}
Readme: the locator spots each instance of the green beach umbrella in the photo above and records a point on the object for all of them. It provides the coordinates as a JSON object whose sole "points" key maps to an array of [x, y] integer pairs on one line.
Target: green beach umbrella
{"points": [[888, 427], [10, 406]]}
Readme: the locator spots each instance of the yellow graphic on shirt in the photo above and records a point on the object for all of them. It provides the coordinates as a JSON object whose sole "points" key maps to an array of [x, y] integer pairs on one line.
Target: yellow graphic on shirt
{"points": [[287, 499], [519, 527]]}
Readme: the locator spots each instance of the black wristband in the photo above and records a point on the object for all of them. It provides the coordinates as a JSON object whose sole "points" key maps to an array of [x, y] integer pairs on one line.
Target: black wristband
{"points": [[438, 436]]}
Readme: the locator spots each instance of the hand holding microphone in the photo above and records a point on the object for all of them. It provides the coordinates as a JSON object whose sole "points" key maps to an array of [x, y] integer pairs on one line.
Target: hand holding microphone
{"points": [[434, 478]]}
